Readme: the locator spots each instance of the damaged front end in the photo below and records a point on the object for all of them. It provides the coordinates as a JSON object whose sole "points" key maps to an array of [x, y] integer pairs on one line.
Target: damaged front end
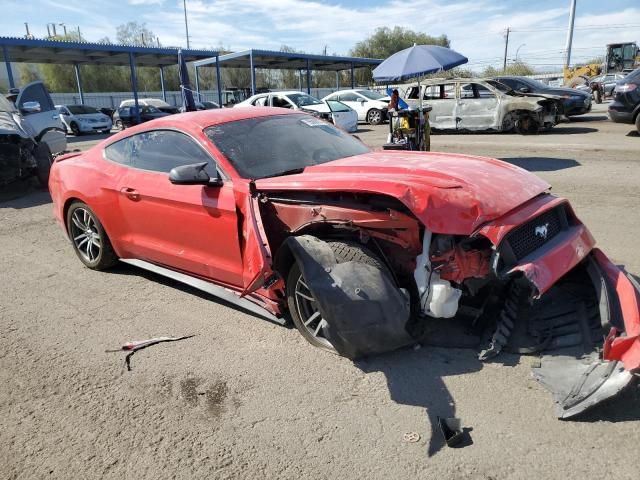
{"points": [[529, 282]]}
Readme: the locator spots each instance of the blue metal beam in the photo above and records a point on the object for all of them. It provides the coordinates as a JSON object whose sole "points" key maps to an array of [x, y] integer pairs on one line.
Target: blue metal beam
{"points": [[7, 62], [134, 85], [164, 92], [76, 67], [253, 73], [218, 83], [308, 76]]}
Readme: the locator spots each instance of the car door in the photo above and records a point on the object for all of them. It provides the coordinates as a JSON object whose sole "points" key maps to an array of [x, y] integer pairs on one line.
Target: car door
{"points": [[442, 99], [191, 228], [44, 120], [356, 102], [476, 108]]}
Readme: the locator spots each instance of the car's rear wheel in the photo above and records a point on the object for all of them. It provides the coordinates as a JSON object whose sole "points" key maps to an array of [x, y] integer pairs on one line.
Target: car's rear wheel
{"points": [[303, 307], [374, 117], [88, 237], [75, 129]]}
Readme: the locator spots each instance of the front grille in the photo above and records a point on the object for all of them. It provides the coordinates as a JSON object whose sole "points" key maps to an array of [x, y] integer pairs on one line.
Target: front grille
{"points": [[529, 237]]}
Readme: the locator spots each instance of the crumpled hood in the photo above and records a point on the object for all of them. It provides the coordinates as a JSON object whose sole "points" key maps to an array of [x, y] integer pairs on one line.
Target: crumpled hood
{"points": [[447, 192]]}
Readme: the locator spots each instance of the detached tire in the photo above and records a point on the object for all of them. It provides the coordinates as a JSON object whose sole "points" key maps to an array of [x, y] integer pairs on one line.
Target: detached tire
{"points": [[119, 125], [302, 305], [89, 240], [43, 164]]}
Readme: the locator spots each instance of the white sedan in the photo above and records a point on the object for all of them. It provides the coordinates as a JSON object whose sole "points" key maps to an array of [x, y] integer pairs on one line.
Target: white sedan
{"points": [[338, 113], [371, 106], [80, 119]]}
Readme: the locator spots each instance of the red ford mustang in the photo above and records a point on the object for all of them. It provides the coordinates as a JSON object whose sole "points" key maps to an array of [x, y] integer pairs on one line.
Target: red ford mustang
{"points": [[289, 217]]}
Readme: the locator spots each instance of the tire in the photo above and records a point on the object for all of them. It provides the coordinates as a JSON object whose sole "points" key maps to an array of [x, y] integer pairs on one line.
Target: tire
{"points": [[302, 310], [638, 122], [119, 125], [75, 129], [95, 252], [526, 125], [43, 164], [374, 116]]}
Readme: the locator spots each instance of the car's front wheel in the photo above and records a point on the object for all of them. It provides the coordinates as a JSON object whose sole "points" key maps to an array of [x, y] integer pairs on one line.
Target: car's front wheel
{"points": [[374, 117], [43, 163], [88, 237], [75, 129], [303, 307], [638, 122]]}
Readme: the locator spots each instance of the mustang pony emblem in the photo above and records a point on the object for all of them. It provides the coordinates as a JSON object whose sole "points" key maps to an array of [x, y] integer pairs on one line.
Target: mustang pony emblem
{"points": [[542, 231]]}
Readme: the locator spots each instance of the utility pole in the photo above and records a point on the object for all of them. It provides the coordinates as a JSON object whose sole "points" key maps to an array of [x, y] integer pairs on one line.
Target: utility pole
{"points": [[506, 47], [186, 25], [26, 25], [79, 36], [572, 17]]}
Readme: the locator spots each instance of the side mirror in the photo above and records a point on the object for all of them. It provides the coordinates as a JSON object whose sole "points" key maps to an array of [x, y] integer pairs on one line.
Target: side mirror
{"points": [[194, 174], [524, 89], [362, 101], [30, 107]]}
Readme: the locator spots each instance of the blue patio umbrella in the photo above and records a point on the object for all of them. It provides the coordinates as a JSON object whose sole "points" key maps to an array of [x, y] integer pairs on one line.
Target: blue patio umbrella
{"points": [[188, 103], [417, 61]]}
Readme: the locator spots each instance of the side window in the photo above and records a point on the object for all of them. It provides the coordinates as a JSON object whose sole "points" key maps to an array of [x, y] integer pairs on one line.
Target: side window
{"points": [[349, 97], [412, 93], [509, 83], [260, 102], [475, 90], [159, 151], [280, 102], [440, 92], [36, 93]]}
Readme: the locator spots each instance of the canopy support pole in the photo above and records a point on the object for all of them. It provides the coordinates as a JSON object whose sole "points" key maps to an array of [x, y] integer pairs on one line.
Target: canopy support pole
{"points": [[253, 73], [197, 85], [164, 92], [134, 85], [7, 63], [353, 78], [76, 67], [218, 86]]}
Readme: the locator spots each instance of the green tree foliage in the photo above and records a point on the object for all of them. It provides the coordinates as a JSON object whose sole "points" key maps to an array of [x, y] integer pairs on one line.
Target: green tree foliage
{"points": [[515, 68], [385, 41]]}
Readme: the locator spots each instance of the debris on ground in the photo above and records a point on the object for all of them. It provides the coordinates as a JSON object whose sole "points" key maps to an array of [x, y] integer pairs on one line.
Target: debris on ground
{"points": [[411, 437], [134, 346]]}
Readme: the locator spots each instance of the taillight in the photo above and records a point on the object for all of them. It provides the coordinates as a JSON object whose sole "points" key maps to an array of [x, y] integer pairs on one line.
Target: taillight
{"points": [[626, 87]]}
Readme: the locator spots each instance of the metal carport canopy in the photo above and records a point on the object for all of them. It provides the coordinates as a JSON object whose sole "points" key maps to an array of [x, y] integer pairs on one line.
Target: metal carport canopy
{"points": [[286, 61], [30, 50]]}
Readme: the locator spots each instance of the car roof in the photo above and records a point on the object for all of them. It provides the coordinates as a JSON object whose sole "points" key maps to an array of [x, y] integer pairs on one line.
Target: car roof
{"points": [[202, 119]]}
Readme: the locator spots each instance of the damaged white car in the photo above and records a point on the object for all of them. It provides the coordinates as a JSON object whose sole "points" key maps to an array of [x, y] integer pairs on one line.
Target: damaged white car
{"points": [[477, 105]]}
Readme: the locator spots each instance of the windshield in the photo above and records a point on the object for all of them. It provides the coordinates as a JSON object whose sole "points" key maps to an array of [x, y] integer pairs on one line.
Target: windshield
{"points": [[535, 83], [302, 99], [370, 94], [81, 109], [6, 105], [150, 109], [499, 86], [276, 145]]}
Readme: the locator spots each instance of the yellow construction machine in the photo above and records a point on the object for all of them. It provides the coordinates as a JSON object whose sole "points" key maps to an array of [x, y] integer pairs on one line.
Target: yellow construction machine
{"points": [[620, 57]]}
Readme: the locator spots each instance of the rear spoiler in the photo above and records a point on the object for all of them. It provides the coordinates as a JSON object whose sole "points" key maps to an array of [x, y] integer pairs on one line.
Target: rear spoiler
{"points": [[68, 155]]}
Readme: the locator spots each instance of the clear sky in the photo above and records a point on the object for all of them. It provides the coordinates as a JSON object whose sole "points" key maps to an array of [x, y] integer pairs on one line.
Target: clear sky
{"points": [[476, 28]]}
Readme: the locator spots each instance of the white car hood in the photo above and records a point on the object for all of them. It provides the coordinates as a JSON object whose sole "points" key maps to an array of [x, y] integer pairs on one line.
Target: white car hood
{"points": [[101, 117], [322, 108]]}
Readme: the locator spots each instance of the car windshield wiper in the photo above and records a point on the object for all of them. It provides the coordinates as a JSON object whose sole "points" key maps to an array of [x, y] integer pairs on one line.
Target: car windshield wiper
{"points": [[291, 171]]}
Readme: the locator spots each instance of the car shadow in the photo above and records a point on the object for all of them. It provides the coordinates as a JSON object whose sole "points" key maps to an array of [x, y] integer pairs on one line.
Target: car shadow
{"points": [[24, 194], [562, 130], [633, 133], [415, 378], [588, 118], [542, 164]]}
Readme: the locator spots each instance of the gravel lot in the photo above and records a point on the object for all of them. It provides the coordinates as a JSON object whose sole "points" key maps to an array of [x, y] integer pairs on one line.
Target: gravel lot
{"points": [[248, 399]]}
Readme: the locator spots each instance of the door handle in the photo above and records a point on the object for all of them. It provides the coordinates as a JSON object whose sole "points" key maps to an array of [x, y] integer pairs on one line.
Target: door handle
{"points": [[131, 193]]}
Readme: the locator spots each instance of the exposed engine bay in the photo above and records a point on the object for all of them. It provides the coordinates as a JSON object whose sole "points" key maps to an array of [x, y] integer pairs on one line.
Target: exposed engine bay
{"points": [[485, 290]]}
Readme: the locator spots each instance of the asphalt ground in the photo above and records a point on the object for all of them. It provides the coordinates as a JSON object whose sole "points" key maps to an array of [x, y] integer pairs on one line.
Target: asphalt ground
{"points": [[245, 398]]}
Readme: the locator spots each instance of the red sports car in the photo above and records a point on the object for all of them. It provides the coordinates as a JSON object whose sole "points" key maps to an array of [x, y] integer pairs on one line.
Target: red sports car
{"points": [[290, 217]]}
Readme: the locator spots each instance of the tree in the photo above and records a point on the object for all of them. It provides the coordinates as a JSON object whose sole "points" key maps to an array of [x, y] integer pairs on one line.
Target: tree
{"points": [[515, 68], [385, 41]]}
